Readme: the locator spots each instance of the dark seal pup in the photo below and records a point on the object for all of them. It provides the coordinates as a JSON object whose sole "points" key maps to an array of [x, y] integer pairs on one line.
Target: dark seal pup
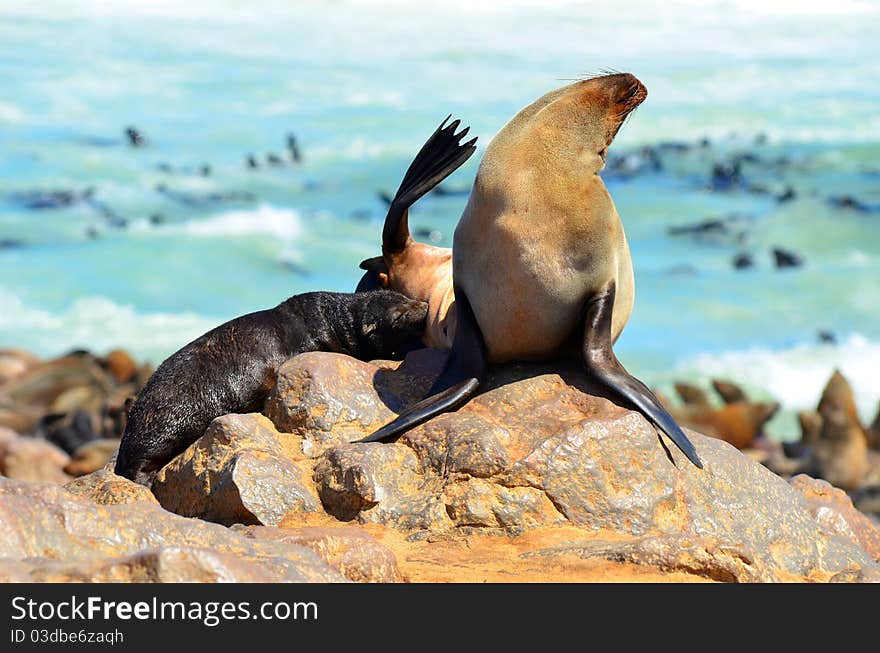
{"points": [[232, 369]]}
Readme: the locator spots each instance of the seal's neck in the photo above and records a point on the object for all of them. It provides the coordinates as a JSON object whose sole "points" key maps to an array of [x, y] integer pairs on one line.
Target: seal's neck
{"points": [[329, 322]]}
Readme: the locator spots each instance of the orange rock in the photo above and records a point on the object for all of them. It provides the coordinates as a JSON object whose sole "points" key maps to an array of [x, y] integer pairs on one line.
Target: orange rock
{"points": [[834, 509], [107, 489], [121, 365], [32, 459]]}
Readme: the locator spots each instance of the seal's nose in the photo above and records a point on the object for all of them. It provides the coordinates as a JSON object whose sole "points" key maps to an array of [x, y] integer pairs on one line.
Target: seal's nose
{"points": [[628, 91]]}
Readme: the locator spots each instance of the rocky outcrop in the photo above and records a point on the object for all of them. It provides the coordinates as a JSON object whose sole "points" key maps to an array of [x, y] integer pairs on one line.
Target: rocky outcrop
{"points": [[92, 456], [52, 535], [71, 399], [540, 466], [320, 396], [107, 489], [354, 553], [833, 509], [538, 449], [241, 471], [31, 459]]}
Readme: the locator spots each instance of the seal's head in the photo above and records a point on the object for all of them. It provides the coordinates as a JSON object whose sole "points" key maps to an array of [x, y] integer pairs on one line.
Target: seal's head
{"points": [[568, 130], [838, 407], [386, 322]]}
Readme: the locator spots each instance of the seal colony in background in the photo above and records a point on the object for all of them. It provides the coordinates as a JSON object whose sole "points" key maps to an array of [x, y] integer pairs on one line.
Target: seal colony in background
{"points": [[539, 257]]}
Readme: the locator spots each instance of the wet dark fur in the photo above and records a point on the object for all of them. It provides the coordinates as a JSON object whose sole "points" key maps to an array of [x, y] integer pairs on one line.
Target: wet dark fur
{"points": [[232, 369]]}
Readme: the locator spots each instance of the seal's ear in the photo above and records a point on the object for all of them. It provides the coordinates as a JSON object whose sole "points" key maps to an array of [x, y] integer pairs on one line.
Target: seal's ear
{"points": [[370, 263], [376, 276]]}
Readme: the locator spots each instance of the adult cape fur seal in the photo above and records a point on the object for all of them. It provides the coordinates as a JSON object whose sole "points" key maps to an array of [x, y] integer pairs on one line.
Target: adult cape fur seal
{"points": [[540, 256], [232, 369]]}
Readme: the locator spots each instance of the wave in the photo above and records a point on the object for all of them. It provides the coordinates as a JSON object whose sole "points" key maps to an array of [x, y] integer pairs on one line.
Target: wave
{"points": [[280, 223], [98, 324], [796, 376], [190, 9]]}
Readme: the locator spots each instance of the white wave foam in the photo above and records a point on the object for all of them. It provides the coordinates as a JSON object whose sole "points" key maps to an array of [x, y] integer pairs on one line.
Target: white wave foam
{"points": [[9, 113], [284, 224], [796, 376], [98, 324]]}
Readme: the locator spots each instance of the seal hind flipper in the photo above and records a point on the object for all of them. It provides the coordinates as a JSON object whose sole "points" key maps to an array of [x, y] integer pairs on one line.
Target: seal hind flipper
{"points": [[602, 364], [462, 375], [424, 410], [440, 156]]}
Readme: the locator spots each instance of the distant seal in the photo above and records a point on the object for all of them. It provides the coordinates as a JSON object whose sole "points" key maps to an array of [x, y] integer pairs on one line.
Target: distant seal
{"points": [[873, 432], [135, 138], [232, 369], [739, 421], [540, 258], [840, 452]]}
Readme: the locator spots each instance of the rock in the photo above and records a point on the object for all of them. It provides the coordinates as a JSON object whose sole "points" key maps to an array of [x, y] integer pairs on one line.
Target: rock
{"points": [[43, 384], [330, 399], [91, 456], [52, 535], [31, 459], [240, 471], [22, 419], [377, 483], [172, 564], [79, 397], [14, 363], [856, 576], [107, 489], [352, 552], [833, 509], [7, 437], [543, 450], [539, 449], [121, 365]]}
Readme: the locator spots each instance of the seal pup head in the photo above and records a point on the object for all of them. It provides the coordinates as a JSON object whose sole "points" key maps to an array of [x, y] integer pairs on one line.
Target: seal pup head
{"points": [[386, 321]]}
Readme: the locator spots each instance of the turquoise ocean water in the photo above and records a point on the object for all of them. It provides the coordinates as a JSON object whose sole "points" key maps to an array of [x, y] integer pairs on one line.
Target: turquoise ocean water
{"points": [[791, 85]]}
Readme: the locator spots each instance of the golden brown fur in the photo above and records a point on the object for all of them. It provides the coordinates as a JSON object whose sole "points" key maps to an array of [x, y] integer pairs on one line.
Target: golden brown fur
{"points": [[840, 455], [540, 233], [424, 272]]}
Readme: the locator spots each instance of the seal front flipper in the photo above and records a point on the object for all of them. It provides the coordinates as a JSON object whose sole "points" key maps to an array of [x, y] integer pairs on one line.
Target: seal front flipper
{"points": [[603, 365], [462, 374]]}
